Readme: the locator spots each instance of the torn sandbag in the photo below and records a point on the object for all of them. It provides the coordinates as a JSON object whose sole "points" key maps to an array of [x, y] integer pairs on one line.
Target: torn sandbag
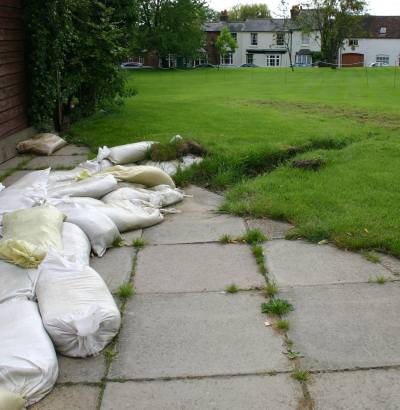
{"points": [[133, 194], [11, 401], [98, 227], [169, 196], [28, 233], [41, 144], [95, 187], [76, 244], [77, 309], [29, 365], [124, 154], [16, 281], [141, 174], [27, 192]]}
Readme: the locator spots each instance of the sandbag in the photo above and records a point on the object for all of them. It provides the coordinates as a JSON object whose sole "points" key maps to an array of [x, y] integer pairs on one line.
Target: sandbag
{"points": [[170, 167], [77, 309], [27, 192], [28, 233], [188, 160], [76, 244], [168, 195], [95, 187], [41, 144], [16, 281], [98, 227], [141, 174], [124, 154], [28, 361], [126, 193], [11, 401]]}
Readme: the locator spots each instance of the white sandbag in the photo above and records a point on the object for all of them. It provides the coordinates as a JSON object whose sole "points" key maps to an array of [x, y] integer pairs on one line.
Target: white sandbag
{"points": [[188, 160], [77, 309], [169, 196], [141, 174], [95, 187], [16, 282], [132, 194], [98, 227], [29, 365], [2, 187], [73, 201], [11, 401], [124, 154], [27, 192], [170, 167], [28, 233], [41, 144], [76, 244]]}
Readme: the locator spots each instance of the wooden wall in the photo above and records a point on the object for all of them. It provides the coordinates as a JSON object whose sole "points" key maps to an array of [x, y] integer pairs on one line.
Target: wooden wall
{"points": [[13, 100]]}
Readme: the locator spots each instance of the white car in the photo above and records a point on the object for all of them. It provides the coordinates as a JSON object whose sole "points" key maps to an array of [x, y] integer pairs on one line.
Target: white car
{"points": [[378, 64]]}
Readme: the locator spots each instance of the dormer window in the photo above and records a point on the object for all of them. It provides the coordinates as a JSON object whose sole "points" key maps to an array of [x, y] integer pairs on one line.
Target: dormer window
{"points": [[382, 30], [280, 39], [253, 39], [353, 43]]}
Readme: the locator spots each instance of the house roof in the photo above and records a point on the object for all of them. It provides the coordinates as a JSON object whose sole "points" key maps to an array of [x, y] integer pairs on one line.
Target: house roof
{"points": [[252, 25], [373, 25]]}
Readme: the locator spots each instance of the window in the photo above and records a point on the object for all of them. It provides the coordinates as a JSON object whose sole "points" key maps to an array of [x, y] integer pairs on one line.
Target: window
{"points": [[303, 60], [382, 59], [250, 58], [234, 35], [227, 59], [305, 39], [273, 60], [353, 43], [253, 39], [141, 60], [382, 30], [280, 39]]}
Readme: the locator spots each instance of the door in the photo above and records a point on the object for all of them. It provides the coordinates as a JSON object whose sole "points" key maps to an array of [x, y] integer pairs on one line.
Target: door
{"points": [[352, 60]]}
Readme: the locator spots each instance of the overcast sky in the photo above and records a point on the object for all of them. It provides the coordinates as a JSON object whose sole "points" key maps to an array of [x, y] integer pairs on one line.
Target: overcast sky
{"points": [[377, 7]]}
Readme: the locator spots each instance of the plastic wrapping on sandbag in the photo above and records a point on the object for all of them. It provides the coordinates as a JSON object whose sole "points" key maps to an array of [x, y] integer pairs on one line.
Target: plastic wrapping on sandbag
{"points": [[41, 144], [28, 233], [98, 227], [141, 174], [77, 309], [129, 193], [124, 154], [170, 167], [11, 401], [95, 187], [76, 244], [16, 282], [27, 192], [29, 365]]}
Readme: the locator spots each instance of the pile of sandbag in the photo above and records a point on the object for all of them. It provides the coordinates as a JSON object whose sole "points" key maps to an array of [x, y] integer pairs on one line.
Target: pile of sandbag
{"points": [[51, 222]]}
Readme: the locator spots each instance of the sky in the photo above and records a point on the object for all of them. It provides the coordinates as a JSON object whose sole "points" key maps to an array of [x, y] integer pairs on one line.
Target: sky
{"points": [[377, 7]]}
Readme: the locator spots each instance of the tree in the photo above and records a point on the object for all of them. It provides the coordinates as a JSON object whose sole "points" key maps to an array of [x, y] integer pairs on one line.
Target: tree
{"points": [[287, 29], [225, 44], [335, 20], [241, 12]]}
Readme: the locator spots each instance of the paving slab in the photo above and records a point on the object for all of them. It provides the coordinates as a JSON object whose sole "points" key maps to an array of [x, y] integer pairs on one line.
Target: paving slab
{"points": [[130, 236], [391, 263], [88, 370], [194, 228], [232, 393], [115, 266], [196, 268], [59, 161], [14, 177], [295, 263], [361, 390], [13, 162], [72, 149], [201, 200], [272, 229], [196, 334], [77, 397], [346, 326]]}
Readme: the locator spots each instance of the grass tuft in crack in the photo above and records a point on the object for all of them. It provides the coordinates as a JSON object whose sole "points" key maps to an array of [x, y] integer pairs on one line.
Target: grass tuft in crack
{"points": [[232, 288], [139, 243], [282, 325], [125, 291], [271, 289], [301, 375], [380, 280], [225, 239], [278, 307], [371, 257], [254, 237]]}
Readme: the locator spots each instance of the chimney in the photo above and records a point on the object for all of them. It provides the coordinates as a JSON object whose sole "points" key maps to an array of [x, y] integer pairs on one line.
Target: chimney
{"points": [[295, 11], [224, 16]]}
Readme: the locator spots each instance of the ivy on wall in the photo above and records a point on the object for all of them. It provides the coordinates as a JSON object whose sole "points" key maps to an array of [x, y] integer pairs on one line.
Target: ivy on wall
{"points": [[74, 49]]}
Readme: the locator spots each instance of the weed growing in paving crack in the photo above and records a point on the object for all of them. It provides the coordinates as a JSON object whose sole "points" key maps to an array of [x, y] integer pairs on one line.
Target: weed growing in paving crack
{"points": [[232, 288], [118, 243], [254, 237], [139, 243], [225, 239], [278, 307], [381, 280], [125, 291], [271, 289], [371, 257], [291, 355], [282, 325], [109, 355], [301, 375]]}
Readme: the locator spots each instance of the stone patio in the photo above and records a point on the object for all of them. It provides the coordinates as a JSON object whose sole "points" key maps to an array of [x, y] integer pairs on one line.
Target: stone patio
{"points": [[187, 344]]}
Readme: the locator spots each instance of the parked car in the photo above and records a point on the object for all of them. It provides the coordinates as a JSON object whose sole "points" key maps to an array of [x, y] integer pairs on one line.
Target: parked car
{"points": [[131, 65], [249, 65], [379, 64], [204, 65]]}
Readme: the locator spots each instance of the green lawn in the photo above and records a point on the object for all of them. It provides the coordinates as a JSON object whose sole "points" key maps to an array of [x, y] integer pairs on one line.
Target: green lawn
{"points": [[255, 121]]}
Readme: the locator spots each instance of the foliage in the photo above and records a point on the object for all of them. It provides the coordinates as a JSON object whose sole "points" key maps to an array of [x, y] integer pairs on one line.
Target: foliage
{"points": [[254, 237], [225, 43], [241, 12], [171, 27], [335, 20], [278, 307], [74, 48]]}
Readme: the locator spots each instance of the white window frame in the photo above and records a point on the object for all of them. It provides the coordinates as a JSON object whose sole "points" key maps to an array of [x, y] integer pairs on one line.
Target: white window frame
{"points": [[280, 38], [249, 58], [383, 58], [141, 59], [382, 30], [254, 39], [273, 60], [227, 59], [305, 39], [303, 59]]}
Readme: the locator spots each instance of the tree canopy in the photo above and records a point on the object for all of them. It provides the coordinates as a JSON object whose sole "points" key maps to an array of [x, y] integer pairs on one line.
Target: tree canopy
{"points": [[241, 12], [225, 43]]}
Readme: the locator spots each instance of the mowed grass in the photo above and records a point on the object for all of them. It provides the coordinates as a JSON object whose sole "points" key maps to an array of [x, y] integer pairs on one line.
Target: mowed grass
{"points": [[255, 121]]}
